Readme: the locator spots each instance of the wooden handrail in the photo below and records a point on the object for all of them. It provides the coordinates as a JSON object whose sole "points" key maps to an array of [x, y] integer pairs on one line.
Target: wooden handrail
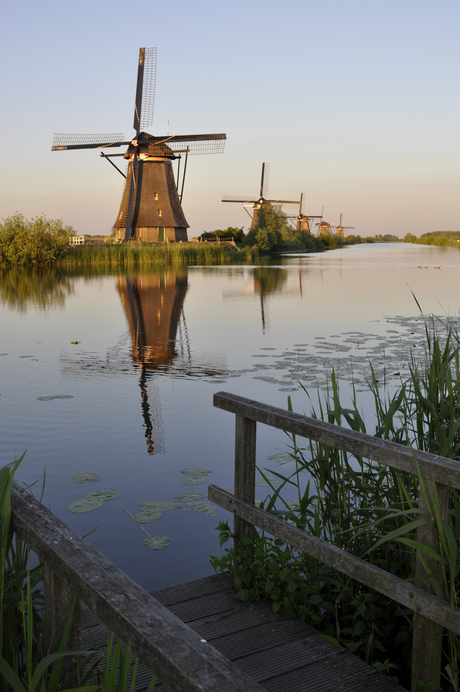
{"points": [[171, 649], [431, 614]]}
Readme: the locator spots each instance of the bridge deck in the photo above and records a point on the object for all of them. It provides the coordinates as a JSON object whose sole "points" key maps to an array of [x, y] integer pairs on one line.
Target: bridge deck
{"points": [[281, 655]]}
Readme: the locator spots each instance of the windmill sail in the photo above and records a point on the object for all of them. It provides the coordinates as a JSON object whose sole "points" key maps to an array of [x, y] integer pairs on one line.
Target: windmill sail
{"points": [[150, 208]]}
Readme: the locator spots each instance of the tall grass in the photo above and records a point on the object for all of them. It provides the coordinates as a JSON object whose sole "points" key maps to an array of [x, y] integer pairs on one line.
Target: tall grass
{"points": [[26, 665], [369, 510], [136, 254]]}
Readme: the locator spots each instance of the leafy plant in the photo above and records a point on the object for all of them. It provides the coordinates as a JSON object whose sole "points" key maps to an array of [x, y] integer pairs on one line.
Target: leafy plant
{"points": [[367, 509]]}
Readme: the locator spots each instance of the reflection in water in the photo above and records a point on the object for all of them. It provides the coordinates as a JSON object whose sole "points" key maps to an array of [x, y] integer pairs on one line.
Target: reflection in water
{"points": [[47, 289], [268, 280], [153, 303]]}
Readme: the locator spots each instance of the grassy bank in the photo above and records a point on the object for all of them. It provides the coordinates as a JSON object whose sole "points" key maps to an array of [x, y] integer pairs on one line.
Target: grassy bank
{"points": [[137, 254], [368, 510]]}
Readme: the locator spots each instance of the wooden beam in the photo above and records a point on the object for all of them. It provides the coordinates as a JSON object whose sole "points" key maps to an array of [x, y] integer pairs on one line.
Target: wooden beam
{"points": [[429, 606], [430, 466], [176, 654]]}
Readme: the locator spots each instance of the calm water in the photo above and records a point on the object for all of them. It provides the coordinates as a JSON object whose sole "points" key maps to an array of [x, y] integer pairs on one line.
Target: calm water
{"points": [[152, 349]]}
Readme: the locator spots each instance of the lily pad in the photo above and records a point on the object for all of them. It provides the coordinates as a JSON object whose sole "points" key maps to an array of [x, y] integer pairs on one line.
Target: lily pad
{"points": [[193, 480], [274, 480], [157, 542], [195, 471], [282, 458], [189, 497], [55, 396], [85, 505], [147, 516], [104, 495], [202, 506], [161, 505], [85, 476]]}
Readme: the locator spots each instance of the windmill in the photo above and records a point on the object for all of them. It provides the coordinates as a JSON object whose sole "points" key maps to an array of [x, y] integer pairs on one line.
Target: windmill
{"points": [[150, 208], [261, 201], [340, 230], [302, 221]]}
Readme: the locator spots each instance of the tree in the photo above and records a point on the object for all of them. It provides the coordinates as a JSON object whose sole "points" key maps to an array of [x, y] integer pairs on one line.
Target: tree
{"points": [[38, 242]]}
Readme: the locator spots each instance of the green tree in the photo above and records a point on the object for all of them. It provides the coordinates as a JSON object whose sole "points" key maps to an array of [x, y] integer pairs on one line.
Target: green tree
{"points": [[38, 242]]}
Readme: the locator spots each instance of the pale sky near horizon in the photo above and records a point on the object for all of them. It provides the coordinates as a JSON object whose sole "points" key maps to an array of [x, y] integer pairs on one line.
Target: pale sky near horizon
{"points": [[353, 102]]}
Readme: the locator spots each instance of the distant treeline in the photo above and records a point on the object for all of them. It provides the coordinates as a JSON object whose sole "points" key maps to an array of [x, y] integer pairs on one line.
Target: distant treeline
{"points": [[443, 238]]}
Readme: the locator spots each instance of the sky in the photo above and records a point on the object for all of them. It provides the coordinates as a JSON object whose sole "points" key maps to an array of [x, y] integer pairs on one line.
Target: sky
{"points": [[354, 103]]}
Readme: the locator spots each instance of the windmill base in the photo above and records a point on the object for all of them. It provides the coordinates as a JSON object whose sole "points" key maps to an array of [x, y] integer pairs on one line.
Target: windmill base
{"points": [[157, 235]]}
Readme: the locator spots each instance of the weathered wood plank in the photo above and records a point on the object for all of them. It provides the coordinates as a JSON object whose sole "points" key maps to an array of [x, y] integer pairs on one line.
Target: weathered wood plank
{"points": [[245, 478], [165, 644], [432, 467], [413, 597]]}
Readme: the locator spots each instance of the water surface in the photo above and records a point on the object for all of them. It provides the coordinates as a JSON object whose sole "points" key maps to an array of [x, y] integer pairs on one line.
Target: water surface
{"points": [[132, 400]]}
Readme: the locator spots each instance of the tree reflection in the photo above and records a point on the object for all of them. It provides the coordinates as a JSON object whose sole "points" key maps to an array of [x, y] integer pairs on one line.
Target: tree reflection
{"points": [[22, 289]]}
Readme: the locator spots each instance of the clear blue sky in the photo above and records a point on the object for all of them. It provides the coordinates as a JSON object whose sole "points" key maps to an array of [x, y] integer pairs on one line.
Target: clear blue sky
{"points": [[355, 103]]}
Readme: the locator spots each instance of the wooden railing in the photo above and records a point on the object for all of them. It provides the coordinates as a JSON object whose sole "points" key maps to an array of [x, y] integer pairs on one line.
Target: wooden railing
{"points": [[431, 614], [173, 651]]}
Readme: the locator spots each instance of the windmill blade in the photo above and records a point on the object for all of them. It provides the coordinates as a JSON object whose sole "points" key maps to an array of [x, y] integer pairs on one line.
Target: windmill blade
{"points": [[192, 144], [283, 201], [233, 198], [62, 141], [264, 180], [145, 89], [301, 203]]}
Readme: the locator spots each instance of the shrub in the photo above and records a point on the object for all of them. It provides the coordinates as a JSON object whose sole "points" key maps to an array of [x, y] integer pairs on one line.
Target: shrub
{"points": [[38, 242]]}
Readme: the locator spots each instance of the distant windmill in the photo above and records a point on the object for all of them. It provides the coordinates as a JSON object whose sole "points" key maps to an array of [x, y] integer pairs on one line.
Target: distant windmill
{"points": [[302, 221], [340, 230], [151, 208], [261, 201]]}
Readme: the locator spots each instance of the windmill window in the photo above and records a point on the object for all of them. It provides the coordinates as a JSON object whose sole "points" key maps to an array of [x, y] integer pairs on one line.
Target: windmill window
{"points": [[155, 194], [159, 212]]}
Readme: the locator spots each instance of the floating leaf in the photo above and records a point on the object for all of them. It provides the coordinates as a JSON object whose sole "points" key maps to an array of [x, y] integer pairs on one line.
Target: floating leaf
{"points": [[281, 458], [161, 505], [55, 396], [157, 542], [104, 495], [193, 480], [147, 516], [189, 497], [274, 481], [202, 506], [195, 471], [85, 505], [85, 476]]}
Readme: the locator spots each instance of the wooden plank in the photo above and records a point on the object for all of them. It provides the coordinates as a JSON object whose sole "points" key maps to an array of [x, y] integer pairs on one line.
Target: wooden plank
{"points": [[413, 597], [431, 466], [170, 649], [245, 480]]}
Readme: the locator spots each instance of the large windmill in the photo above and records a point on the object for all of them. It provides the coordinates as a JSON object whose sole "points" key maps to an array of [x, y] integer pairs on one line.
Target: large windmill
{"points": [[150, 208], [303, 221], [261, 201]]}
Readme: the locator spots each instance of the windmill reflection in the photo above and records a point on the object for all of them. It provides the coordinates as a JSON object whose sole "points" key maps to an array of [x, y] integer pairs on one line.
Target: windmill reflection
{"points": [[154, 307]]}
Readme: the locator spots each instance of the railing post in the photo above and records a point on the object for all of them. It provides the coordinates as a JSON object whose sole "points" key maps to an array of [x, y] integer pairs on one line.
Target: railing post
{"points": [[58, 603], [245, 478], [427, 635]]}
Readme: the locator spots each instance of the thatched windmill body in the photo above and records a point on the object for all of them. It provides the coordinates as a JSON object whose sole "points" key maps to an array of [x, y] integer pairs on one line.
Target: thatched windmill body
{"points": [[261, 201], [340, 230], [303, 221], [150, 208]]}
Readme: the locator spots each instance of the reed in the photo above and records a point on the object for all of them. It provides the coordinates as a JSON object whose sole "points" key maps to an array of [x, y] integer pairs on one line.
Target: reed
{"points": [[25, 662], [141, 254], [369, 510]]}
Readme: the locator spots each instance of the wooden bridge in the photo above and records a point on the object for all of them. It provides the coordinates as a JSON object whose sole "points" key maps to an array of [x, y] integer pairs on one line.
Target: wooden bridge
{"points": [[198, 636]]}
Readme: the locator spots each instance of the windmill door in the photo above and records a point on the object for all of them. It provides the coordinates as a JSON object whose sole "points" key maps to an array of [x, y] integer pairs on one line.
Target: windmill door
{"points": [[161, 234]]}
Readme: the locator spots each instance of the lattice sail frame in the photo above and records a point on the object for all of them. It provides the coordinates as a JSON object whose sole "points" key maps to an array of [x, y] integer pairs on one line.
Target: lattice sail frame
{"points": [[61, 139], [148, 87]]}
